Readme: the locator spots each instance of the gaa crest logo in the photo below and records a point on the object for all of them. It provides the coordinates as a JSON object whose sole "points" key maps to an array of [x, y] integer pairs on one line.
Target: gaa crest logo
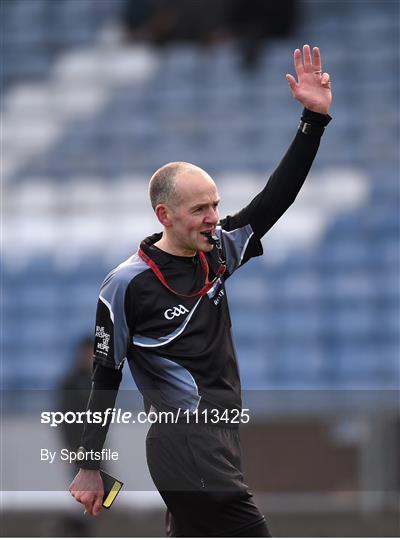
{"points": [[176, 311]]}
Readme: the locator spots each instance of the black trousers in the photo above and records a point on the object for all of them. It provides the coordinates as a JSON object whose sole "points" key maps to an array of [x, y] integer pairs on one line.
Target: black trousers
{"points": [[197, 470]]}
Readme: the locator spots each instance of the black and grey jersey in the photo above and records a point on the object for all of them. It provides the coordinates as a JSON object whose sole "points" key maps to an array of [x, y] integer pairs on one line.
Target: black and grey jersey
{"points": [[179, 349]]}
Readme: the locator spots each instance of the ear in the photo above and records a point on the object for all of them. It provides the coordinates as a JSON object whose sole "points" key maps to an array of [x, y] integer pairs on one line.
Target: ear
{"points": [[163, 215]]}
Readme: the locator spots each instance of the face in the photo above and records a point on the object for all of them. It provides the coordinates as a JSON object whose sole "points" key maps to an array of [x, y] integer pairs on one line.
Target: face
{"points": [[195, 212]]}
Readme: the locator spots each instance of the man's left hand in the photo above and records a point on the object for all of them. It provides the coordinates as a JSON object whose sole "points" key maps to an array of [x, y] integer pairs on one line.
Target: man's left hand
{"points": [[313, 87]]}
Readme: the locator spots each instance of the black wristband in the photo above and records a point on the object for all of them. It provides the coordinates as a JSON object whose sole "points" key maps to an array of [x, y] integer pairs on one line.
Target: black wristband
{"points": [[313, 123], [311, 129]]}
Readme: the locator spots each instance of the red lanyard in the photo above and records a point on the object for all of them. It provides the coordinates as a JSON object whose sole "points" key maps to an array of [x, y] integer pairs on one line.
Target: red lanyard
{"points": [[203, 260]]}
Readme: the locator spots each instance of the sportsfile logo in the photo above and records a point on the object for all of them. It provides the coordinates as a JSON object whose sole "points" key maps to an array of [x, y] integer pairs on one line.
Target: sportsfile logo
{"points": [[175, 312]]}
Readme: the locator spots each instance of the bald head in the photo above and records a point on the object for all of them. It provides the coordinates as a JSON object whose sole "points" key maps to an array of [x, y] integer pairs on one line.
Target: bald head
{"points": [[185, 200], [165, 186]]}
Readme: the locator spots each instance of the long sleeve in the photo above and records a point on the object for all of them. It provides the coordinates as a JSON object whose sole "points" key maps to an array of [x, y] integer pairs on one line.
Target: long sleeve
{"points": [[285, 182], [105, 385]]}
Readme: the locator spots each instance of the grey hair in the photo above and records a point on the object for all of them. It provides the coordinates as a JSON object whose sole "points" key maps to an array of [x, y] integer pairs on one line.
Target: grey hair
{"points": [[162, 187]]}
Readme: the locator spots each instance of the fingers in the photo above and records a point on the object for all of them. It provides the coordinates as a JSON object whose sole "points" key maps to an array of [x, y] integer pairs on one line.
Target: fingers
{"points": [[307, 56], [298, 62], [291, 81], [91, 505], [87, 488], [326, 80], [97, 506], [306, 61], [89, 508], [92, 501], [317, 59]]}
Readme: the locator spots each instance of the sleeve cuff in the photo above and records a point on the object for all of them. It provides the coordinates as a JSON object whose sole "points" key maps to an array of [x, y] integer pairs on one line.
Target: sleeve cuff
{"points": [[86, 459], [89, 466], [314, 118]]}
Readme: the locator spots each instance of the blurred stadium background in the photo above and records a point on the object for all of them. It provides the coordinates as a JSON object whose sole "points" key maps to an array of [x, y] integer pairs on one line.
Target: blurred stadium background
{"points": [[97, 94]]}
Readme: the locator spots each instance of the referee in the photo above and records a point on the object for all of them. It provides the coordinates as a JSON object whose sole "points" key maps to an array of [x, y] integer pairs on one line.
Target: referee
{"points": [[165, 312]]}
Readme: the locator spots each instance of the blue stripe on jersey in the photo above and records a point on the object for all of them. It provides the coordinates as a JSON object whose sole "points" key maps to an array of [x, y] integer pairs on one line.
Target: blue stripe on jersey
{"points": [[143, 341], [235, 243], [165, 383], [112, 294]]}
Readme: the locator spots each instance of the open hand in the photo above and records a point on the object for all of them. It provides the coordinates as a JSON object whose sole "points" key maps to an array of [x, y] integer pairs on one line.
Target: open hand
{"points": [[313, 87]]}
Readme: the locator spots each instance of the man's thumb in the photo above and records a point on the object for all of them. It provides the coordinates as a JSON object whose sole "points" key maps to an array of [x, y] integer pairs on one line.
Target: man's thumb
{"points": [[291, 81]]}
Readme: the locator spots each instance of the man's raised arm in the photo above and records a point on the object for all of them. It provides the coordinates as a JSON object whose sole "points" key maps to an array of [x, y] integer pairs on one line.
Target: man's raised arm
{"points": [[313, 90]]}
